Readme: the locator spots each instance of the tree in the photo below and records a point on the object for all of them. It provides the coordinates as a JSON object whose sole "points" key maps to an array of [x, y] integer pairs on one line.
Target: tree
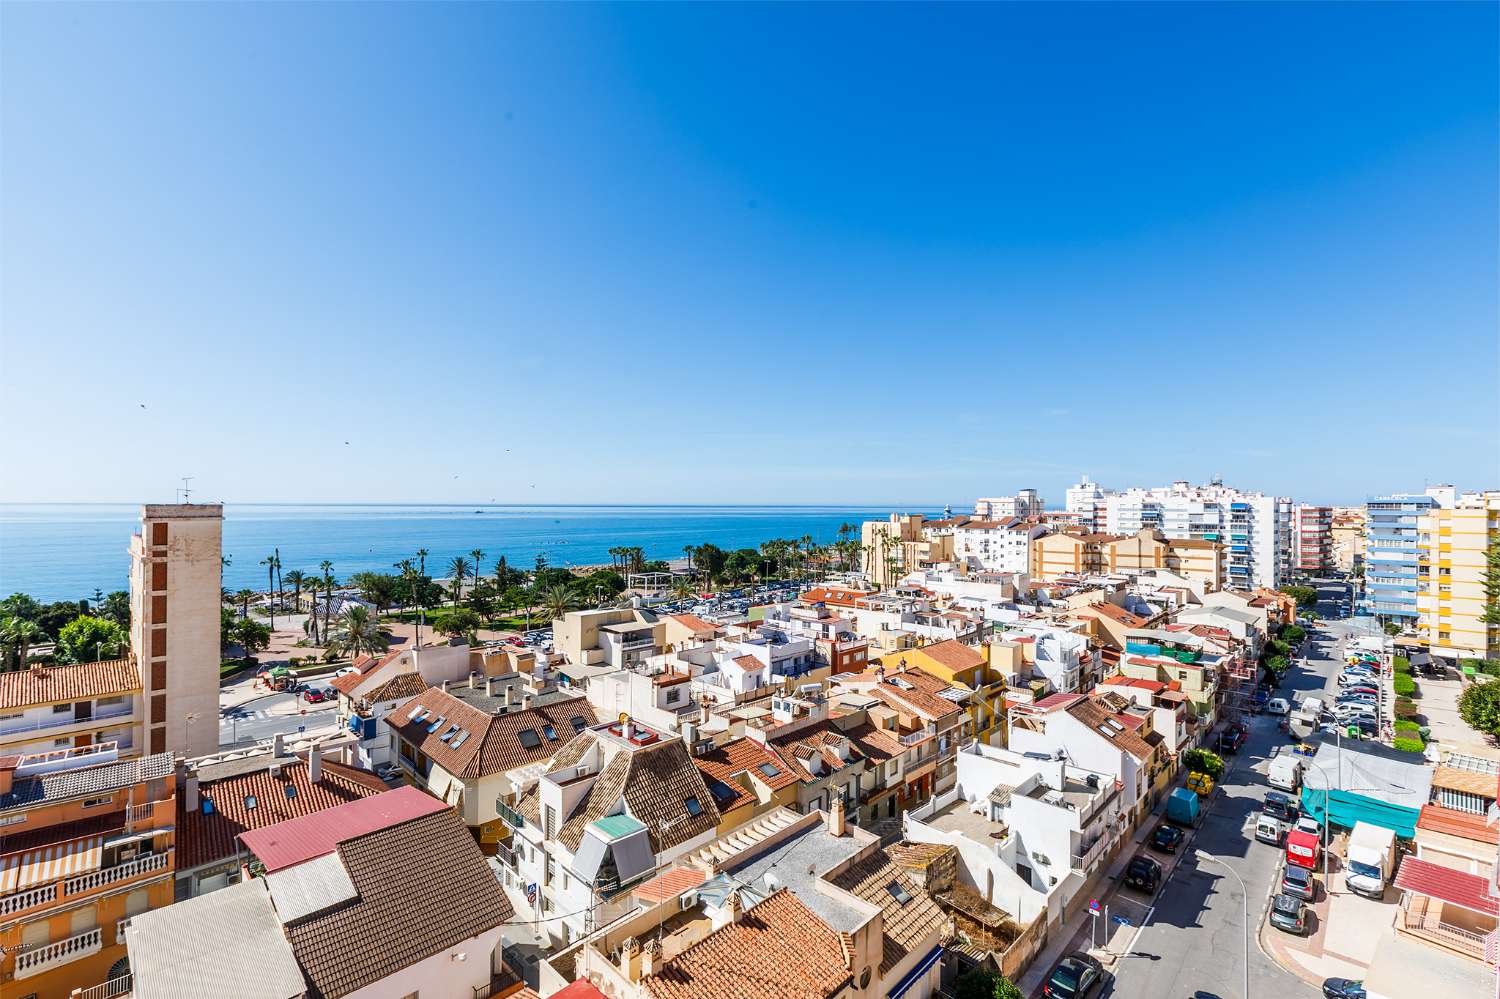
{"points": [[478, 556], [710, 559], [1491, 576], [270, 563], [243, 598], [1479, 707], [682, 587], [741, 564], [298, 579], [1305, 596], [116, 607], [482, 599], [252, 635], [1392, 628], [89, 639], [461, 623], [17, 635], [459, 569], [378, 588], [601, 584], [982, 983], [1293, 633], [358, 634], [557, 601], [1203, 762], [328, 582], [20, 605]]}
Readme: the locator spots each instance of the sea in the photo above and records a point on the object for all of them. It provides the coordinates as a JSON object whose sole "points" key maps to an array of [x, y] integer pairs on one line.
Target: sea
{"points": [[67, 551]]}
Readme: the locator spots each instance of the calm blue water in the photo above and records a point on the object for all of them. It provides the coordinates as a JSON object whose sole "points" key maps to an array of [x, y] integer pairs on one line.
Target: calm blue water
{"points": [[55, 551]]}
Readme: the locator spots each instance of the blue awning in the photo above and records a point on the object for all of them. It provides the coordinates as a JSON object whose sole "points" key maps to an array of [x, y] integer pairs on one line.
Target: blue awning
{"points": [[915, 975]]}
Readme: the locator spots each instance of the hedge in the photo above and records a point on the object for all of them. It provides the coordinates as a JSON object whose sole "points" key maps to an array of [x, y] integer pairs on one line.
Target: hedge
{"points": [[1408, 745], [1405, 707], [1401, 664], [1405, 685], [1406, 725]]}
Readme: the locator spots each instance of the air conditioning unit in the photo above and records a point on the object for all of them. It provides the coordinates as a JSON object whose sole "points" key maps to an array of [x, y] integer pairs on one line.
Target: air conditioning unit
{"points": [[689, 900], [1041, 858]]}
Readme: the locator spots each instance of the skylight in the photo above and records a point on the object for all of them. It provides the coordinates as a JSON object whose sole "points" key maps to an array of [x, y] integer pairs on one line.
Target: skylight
{"points": [[578, 723], [437, 724], [900, 894], [459, 739], [693, 806], [769, 770], [448, 734], [250, 802], [896, 681], [291, 791], [417, 713], [529, 738], [549, 732]]}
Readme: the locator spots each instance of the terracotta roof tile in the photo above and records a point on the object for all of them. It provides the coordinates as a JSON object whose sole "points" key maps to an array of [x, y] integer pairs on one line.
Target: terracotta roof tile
{"points": [[423, 886], [954, 654], [777, 950], [1095, 716], [204, 839], [398, 687], [694, 623], [907, 924], [1468, 891], [366, 665], [1436, 818], [726, 763], [494, 743], [1468, 781], [24, 688]]}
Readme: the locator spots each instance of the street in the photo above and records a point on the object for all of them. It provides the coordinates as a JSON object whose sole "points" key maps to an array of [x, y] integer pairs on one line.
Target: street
{"points": [[260, 718], [1194, 945]]}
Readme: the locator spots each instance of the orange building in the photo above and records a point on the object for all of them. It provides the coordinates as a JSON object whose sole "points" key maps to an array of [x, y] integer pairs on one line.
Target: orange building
{"points": [[86, 842]]}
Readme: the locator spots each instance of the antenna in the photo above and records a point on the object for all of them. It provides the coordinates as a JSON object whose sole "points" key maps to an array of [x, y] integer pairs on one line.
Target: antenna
{"points": [[185, 492]]}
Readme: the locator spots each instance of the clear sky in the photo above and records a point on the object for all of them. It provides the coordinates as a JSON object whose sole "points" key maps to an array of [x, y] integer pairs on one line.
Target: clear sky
{"points": [[777, 253]]}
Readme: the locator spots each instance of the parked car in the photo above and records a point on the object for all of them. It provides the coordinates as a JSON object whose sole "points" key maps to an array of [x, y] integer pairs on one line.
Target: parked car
{"points": [[1308, 824], [387, 772], [1299, 881], [1167, 838], [1143, 873], [317, 695], [1281, 806], [1289, 914], [1074, 977], [1200, 784], [1343, 988], [1278, 706]]}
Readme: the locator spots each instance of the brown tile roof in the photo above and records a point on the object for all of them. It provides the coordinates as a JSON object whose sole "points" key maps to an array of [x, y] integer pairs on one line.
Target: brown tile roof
{"points": [[1092, 714], [694, 623], [1469, 781], [494, 743], [422, 885], [1451, 821], [1119, 614], [917, 700], [835, 595], [954, 654], [908, 924], [203, 839], [23, 688], [727, 762], [366, 665], [398, 687], [777, 950]]}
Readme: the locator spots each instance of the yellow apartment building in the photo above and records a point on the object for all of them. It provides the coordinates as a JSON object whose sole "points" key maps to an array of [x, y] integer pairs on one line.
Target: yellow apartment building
{"points": [[87, 841], [1191, 558], [44, 708], [1068, 554], [1451, 571]]}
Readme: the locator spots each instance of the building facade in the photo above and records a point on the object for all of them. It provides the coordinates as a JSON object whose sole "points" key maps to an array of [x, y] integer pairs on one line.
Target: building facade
{"points": [[1312, 539], [1391, 555], [1256, 529], [1452, 605]]}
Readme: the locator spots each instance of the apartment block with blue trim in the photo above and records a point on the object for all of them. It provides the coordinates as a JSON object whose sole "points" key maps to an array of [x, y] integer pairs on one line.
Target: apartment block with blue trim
{"points": [[1391, 553]]}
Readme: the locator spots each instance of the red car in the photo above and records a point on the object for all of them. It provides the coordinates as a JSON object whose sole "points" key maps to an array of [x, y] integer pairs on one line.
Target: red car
{"points": [[315, 695]]}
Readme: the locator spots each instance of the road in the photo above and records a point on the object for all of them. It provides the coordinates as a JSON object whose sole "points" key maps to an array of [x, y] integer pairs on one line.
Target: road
{"points": [[263, 717], [1194, 945]]}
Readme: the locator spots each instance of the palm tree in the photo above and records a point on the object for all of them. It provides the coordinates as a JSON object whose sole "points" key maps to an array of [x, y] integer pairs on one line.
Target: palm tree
{"points": [[682, 587], [478, 556], [358, 633], [422, 554], [688, 551], [297, 579], [270, 563], [280, 590], [17, 636], [244, 597], [409, 576], [327, 568], [557, 601], [459, 568]]}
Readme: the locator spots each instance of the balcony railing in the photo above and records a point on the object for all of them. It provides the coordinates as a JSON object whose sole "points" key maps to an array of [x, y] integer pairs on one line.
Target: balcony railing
{"points": [[60, 952], [65, 720], [120, 872], [509, 815], [120, 925], [111, 989], [920, 735], [23, 900]]}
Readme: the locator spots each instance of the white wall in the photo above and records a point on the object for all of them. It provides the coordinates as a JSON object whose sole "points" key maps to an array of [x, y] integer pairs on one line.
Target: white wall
{"points": [[441, 976]]}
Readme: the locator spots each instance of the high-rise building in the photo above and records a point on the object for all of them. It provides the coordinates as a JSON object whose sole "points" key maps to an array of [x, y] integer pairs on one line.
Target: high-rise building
{"points": [[1025, 503], [1085, 501], [1451, 570], [1256, 529], [176, 573], [1312, 539], [1391, 554]]}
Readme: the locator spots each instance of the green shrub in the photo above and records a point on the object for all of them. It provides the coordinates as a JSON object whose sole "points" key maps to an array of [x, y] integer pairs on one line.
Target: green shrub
{"points": [[1406, 725], [1405, 707], [1293, 633], [1408, 745], [1405, 685], [1204, 762], [1401, 664], [1489, 667]]}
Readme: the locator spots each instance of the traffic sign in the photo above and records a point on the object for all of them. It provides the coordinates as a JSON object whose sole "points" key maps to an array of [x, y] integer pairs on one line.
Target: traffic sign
{"points": [[1093, 907]]}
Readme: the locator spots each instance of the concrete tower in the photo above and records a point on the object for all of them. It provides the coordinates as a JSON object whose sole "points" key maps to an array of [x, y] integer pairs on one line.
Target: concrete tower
{"points": [[176, 571]]}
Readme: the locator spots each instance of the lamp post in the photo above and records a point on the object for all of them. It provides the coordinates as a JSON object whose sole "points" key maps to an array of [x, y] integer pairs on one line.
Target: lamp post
{"points": [[1208, 858]]}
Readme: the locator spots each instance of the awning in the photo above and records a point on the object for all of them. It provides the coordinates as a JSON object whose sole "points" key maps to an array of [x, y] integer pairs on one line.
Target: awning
{"points": [[915, 974], [24, 870], [1467, 891]]}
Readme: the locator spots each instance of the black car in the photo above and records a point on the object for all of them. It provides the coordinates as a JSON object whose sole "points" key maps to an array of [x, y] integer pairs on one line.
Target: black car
{"points": [[1167, 838], [1074, 977], [1143, 873], [1343, 988], [1280, 806]]}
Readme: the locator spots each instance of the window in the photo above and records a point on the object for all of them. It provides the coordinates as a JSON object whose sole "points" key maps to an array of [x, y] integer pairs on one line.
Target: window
{"points": [[291, 791], [578, 723], [529, 738], [62, 709], [96, 802], [769, 770], [694, 808], [250, 802], [549, 732]]}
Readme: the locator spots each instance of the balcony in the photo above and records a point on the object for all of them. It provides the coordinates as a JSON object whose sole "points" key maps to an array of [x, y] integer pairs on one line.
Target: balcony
{"points": [[68, 720], [509, 815], [1086, 860], [11, 905], [111, 989], [58, 953], [150, 863], [919, 736]]}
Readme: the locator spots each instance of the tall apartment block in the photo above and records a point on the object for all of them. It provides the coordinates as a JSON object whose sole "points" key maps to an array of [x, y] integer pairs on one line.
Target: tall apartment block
{"points": [[1451, 602], [1085, 501], [175, 577], [1025, 503], [1312, 539], [1255, 529], [1391, 556]]}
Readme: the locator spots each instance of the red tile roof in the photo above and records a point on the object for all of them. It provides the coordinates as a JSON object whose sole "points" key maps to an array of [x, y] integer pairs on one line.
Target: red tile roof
{"points": [[669, 884], [307, 836], [1468, 891], [834, 595], [1436, 818], [24, 688], [954, 654], [366, 665], [725, 763], [777, 950], [694, 623], [203, 839], [494, 742], [1056, 701], [581, 989]]}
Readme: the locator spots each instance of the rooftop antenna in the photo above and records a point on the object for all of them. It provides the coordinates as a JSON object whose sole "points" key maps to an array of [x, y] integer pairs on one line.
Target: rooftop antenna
{"points": [[185, 492]]}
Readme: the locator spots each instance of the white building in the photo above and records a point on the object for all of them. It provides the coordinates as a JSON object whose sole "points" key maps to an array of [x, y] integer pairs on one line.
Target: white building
{"points": [[1085, 501], [1025, 503], [995, 545]]}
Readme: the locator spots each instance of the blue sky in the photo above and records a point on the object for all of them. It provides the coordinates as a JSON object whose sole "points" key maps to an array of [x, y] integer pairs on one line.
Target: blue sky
{"points": [[784, 254]]}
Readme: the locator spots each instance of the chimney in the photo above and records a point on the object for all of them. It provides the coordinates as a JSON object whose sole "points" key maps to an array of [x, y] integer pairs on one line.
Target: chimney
{"points": [[278, 745], [190, 791], [526, 701], [836, 824], [473, 681], [445, 686], [510, 695], [627, 729], [315, 764], [628, 951], [489, 686], [648, 958]]}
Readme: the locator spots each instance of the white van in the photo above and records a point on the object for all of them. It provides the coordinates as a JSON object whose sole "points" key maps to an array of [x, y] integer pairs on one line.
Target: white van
{"points": [[1269, 829], [1312, 707]]}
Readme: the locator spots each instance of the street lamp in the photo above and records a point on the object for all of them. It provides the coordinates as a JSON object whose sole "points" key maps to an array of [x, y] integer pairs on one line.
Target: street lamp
{"points": [[1208, 858]]}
